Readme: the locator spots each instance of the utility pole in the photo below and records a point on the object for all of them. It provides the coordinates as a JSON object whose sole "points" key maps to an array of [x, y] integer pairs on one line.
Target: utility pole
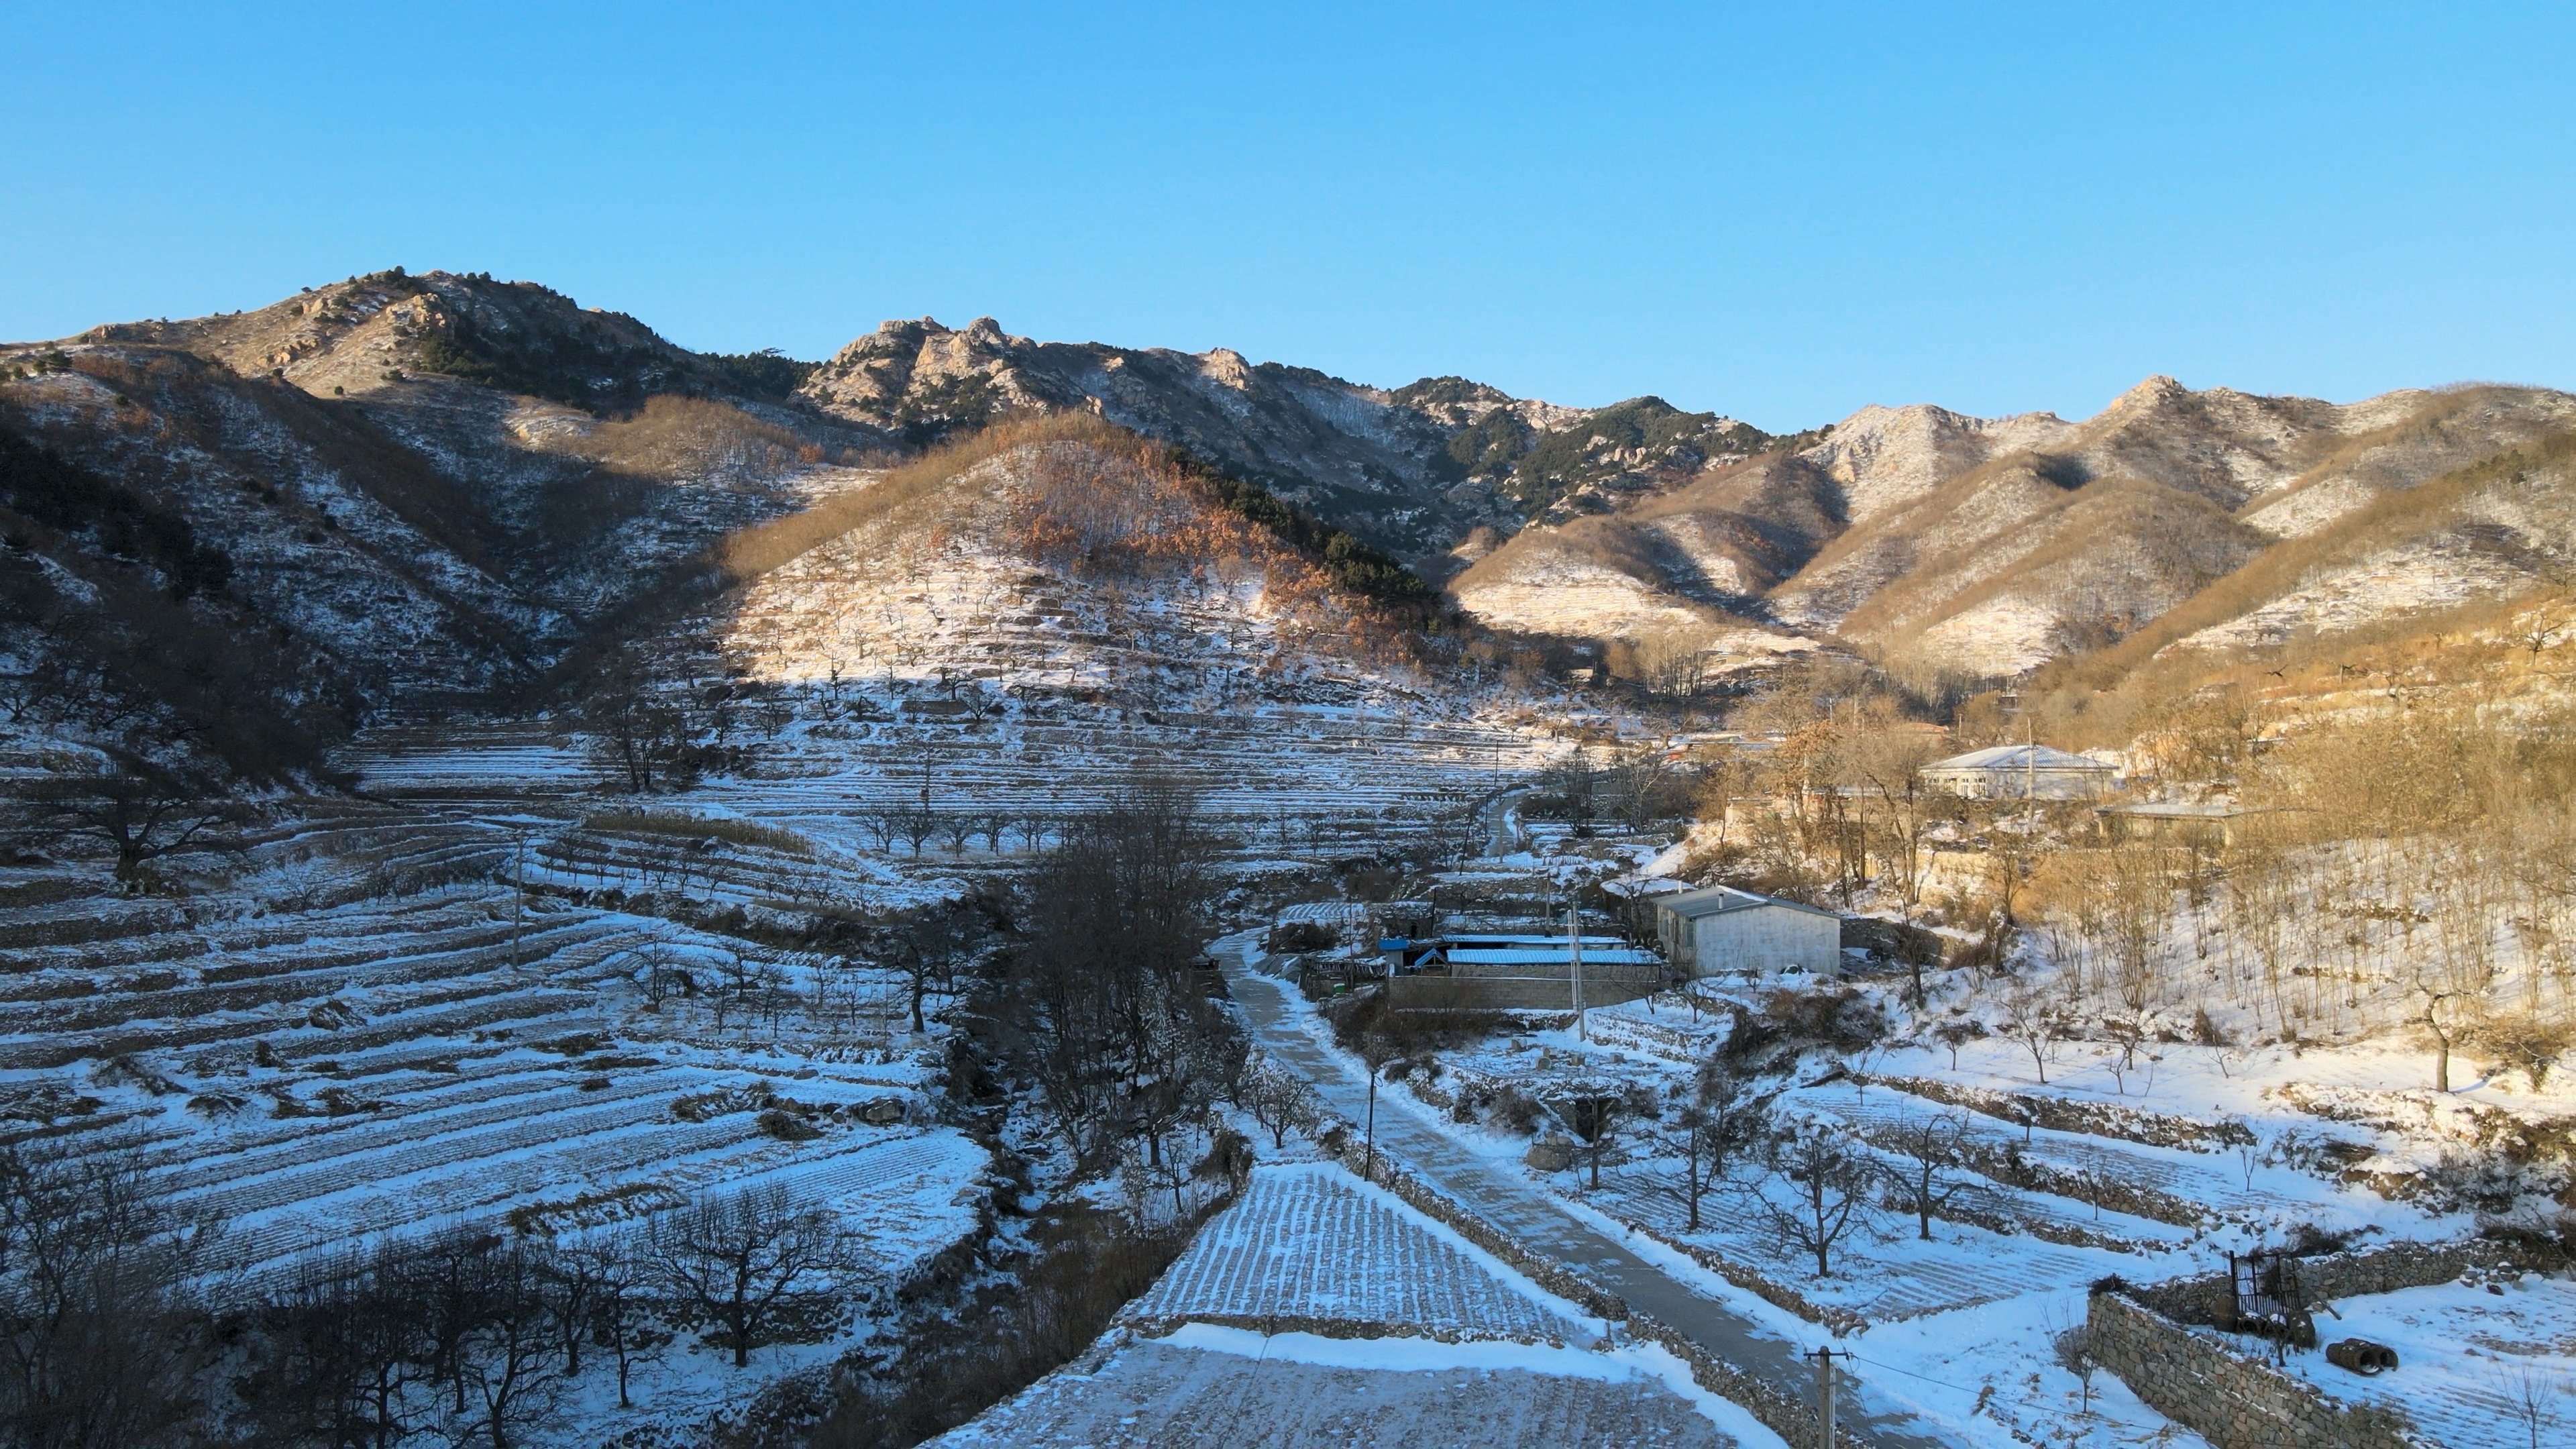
{"points": [[2030, 776], [1574, 942], [1370, 1175], [518, 893], [1825, 1394]]}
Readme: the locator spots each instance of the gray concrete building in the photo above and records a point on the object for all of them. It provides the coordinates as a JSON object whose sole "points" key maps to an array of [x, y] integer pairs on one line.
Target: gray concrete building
{"points": [[1722, 931]]}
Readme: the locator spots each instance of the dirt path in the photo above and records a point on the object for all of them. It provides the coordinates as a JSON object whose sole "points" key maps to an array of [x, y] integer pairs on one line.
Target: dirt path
{"points": [[1504, 835], [1535, 1221]]}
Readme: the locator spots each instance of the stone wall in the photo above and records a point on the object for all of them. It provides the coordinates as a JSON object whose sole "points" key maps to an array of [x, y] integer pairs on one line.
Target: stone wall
{"points": [[1509, 993], [2336, 1276], [2233, 1401]]}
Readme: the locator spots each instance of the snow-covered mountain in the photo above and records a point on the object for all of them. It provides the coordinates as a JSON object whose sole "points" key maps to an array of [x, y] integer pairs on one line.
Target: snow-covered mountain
{"points": [[1987, 546], [251, 531], [1414, 470]]}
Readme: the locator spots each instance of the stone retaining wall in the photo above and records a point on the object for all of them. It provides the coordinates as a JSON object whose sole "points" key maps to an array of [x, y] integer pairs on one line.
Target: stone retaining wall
{"points": [[2009, 1165], [2233, 1401], [1508, 993], [1164, 1325], [2336, 1276]]}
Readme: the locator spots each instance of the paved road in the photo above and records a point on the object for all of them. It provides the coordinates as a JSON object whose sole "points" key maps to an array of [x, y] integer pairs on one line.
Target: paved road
{"points": [[1533, 1219]]}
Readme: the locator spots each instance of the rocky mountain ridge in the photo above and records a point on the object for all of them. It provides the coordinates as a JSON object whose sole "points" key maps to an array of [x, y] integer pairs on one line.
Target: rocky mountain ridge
{"points": [[1984, 547], [398, 490], [1416, 471]]}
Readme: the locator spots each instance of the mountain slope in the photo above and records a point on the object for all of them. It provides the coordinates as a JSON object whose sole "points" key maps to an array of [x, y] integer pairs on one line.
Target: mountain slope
{"points": [[2130, 513], [390, 534], [1984, 547], [1048, 557], [1413, 471]]}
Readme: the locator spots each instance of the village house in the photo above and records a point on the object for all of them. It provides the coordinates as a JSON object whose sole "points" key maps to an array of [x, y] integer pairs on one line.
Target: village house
{"points": [[1722, 931], [1515, 971], [2020, 772]]}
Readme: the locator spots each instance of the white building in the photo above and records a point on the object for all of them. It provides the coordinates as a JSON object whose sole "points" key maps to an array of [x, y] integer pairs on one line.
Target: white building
{"points": [[1722, 931], [2020, 772]]}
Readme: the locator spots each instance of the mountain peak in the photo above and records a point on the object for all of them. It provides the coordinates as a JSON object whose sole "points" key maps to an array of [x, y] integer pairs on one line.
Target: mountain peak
{"points": [[2155, 391]]}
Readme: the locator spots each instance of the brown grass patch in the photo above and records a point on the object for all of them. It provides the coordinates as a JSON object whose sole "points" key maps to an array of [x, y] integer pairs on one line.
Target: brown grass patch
{"points": [[2383, 523], [674, 435], [748, 553]]}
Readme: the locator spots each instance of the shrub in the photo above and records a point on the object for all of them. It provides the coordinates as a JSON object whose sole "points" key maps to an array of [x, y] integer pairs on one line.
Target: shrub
{"points": [[698, 827], [1515, 1111], [2525, 1044], [59, 493], [768, 374], [1304, 936], [786, 1126]]}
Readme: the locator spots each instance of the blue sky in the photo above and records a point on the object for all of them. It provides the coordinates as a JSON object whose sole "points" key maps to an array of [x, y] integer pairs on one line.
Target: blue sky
{"points": [[1781, 212]]}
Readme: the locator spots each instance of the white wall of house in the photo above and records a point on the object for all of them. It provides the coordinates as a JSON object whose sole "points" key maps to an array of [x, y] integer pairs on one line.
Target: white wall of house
{"points": [[2011, 784], [1758, 938]]}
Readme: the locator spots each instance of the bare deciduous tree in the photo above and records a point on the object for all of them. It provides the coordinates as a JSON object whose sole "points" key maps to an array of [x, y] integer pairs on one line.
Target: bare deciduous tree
{"points": [[510, 1341], [2532, 1396], [2072, 1347], [738, 1261], [2034, 1022], [621, 1321], [141, 810], [1597, 1119], [1278, 1101], [1932, 1146], [1827, 1192], [102, 1339], [1718, 1121]]}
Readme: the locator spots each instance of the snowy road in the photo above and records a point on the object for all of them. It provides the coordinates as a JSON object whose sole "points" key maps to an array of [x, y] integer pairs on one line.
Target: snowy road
{"points": [[1535, 1221], [1503, 814]]}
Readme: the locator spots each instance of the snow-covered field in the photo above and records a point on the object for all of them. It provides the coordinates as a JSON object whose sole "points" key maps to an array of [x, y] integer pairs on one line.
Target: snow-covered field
{"points": [[1308, 1241], [355, 1031], [2476, 1369], [2147, 1169], [1385, 1328]]}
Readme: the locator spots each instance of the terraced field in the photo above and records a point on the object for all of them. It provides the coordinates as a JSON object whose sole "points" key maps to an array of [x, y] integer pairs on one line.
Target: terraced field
{"points": [[1307, 1242], [1883, 1280], [1280, 777], [356, 1026]]}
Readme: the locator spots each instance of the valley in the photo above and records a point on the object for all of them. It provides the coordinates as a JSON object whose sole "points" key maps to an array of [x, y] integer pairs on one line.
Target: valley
{"points": [[514, 825]]}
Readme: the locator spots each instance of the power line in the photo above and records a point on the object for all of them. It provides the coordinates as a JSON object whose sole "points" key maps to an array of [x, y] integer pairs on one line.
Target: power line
{"points": [[1909, 1373]]}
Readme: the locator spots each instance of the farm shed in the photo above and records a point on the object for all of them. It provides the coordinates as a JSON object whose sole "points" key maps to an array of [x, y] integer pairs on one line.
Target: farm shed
{"points": [[2020, 772], [1514, 972], [1722, 931], [1341, 921]]}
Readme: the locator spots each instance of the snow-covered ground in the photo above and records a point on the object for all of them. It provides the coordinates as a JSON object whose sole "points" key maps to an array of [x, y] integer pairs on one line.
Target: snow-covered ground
{"points": [[2477, 1369], [2147, 1166], [354, 1031], [1403, 1333]]}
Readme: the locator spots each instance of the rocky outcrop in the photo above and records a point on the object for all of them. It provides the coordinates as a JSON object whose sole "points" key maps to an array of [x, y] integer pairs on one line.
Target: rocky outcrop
{"points": [[1416, 471]]}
